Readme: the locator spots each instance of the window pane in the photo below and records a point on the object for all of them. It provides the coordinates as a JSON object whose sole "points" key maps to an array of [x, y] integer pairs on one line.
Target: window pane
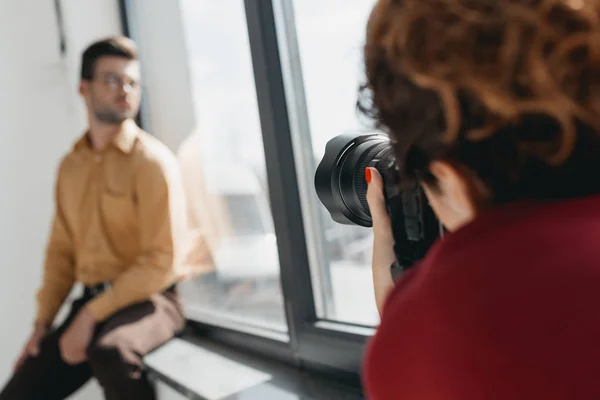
{"points": [[330, 36], [224, 170]]}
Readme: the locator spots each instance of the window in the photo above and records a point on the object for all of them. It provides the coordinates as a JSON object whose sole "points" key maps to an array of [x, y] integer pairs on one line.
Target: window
{"points": [[248, 92], [330, 35], [238, 227], [232, 249]]}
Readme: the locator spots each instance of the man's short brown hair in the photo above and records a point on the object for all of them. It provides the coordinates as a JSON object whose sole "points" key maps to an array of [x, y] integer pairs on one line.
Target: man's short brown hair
{"points": [[117, 46]]}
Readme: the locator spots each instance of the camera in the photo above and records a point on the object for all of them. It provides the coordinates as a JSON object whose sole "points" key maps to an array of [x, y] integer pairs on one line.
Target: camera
{"points": [[341, 187]]}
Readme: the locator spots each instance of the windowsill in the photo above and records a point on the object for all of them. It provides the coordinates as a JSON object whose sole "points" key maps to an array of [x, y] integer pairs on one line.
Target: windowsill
{"points": [[345, 328], [245, 325], [200, 369]]}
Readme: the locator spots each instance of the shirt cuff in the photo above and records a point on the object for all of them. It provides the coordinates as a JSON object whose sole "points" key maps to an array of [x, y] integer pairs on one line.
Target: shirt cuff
{"points": [[45, 315], [102, 306], [47, 309]]}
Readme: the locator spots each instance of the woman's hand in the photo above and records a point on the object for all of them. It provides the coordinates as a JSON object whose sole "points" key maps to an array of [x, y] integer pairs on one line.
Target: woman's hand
{"points": [[383, 239]]}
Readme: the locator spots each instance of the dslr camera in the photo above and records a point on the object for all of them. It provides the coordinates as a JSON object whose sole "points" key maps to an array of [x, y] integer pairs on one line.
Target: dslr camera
{"points": [[341, 187]]}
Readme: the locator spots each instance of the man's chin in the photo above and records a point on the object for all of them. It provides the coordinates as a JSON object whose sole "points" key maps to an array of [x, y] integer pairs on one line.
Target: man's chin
{"points": [[116, 117], [126, 116]]}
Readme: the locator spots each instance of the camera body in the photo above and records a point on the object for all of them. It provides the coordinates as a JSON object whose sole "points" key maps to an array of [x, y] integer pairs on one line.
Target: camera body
{"points": [[341, 187]]}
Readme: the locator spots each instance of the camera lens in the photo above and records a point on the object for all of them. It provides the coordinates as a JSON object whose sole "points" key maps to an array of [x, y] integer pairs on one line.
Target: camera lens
{"points": [[341, 187], [340, 177]]}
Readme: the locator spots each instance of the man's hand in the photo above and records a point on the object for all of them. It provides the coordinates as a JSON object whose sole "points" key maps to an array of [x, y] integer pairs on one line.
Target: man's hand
{"points": [[198, 254], [32, 347], [75, 341]]}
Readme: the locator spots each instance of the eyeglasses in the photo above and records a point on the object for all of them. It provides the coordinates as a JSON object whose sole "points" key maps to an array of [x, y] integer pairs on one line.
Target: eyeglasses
{"points": [[115, 83]]}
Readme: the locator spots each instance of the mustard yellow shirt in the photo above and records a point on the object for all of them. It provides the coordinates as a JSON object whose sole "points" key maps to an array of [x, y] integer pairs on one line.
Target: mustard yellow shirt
{"points": [[120, 218]]}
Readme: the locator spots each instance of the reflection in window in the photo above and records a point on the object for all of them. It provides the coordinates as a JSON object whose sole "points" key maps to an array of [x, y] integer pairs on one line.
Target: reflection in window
{"points": [[232, 245], [330, 38]]}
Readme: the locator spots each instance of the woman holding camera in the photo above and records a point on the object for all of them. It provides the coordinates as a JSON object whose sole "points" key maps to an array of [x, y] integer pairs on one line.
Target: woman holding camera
{"points": [[493, 106]]}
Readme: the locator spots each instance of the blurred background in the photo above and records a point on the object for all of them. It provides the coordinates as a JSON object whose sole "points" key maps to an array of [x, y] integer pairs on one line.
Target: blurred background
{"points": [[202, 99]]}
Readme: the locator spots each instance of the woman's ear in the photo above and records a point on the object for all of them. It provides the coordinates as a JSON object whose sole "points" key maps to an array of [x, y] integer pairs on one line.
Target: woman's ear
{"points": [[453, 200]]}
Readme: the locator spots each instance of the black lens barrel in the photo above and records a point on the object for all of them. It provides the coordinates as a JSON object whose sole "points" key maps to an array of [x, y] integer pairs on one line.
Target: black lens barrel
{"points": [[341, 187], [340, 177]]}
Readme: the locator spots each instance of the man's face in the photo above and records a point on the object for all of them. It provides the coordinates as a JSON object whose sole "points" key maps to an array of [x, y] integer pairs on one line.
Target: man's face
{"points": [[114, 93]]}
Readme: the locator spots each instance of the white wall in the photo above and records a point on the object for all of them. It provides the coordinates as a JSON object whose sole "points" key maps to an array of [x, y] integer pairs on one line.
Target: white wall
{"points": [[40, 117]]}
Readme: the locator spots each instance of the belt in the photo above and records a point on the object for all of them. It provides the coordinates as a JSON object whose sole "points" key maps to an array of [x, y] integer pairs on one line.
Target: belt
{"points": [[99, 288]]}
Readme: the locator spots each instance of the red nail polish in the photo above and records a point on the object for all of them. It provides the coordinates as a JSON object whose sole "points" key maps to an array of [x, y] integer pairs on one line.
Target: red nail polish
{"points": [[368, 175]]}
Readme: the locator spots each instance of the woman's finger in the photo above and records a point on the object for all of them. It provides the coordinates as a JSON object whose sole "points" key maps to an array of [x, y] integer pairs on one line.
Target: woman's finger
{"points": [[375, 196], [383, 239]]}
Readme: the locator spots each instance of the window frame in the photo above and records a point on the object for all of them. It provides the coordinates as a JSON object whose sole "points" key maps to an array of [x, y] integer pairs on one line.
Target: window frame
{"points": [[328, 344], [330, 347]]}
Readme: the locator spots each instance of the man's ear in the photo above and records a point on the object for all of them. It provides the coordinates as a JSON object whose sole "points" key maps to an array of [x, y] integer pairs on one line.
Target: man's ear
{"points": [[84, 87]]}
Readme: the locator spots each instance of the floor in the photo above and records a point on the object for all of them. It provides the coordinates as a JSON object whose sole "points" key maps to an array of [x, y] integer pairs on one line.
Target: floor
{"points": [[214, 372], [91, 391]]}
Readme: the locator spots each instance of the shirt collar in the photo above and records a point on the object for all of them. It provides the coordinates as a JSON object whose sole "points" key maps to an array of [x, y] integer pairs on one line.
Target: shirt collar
{"points": [[124, 140]]}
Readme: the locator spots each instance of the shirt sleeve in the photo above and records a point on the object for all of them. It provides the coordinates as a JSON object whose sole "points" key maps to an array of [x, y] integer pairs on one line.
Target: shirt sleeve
{"points": [[59, 266], [161, 215]]}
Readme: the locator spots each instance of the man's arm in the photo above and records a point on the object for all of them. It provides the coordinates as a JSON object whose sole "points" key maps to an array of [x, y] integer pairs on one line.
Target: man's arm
{"points": [[161, 216], [59, 266]]}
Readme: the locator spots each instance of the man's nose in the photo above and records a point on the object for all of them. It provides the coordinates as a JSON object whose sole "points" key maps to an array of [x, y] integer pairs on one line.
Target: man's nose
{"points": [[126, 88]]}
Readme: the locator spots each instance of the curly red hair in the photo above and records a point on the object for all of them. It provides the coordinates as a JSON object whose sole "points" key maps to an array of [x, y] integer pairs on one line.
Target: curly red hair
{"points": [[507, 89]]}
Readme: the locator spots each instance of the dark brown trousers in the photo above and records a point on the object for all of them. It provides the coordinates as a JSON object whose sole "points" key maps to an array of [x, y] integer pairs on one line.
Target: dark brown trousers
{"points": [[114, 358]]}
